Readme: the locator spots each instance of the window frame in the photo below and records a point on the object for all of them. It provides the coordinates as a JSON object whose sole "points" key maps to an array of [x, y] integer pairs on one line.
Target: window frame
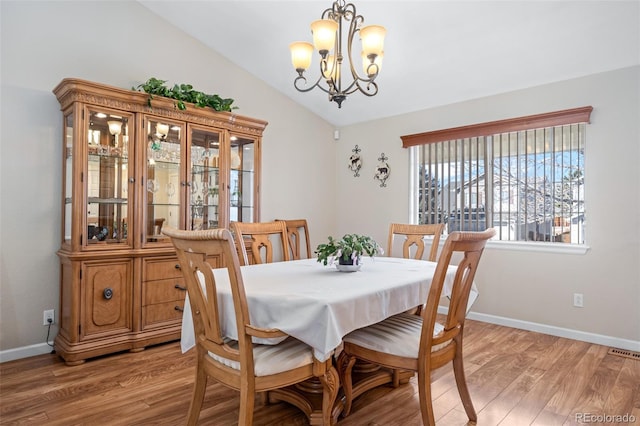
{"points": [[531, 122]]}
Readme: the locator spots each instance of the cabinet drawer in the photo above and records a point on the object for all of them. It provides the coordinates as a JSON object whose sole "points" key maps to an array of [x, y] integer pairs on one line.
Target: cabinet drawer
{"points": [[161, 313], [162, 291], [162, 269]]}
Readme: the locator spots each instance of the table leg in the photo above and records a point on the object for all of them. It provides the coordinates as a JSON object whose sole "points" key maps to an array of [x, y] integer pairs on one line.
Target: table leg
{"points": [[315, 397], [330, 385]]}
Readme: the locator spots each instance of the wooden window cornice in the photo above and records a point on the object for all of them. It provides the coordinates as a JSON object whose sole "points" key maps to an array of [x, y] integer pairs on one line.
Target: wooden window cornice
{"points": [[549, 119]]}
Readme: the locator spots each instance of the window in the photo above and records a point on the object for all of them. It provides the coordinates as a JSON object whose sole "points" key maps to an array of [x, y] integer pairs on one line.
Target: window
{"points": [[524, 177]]}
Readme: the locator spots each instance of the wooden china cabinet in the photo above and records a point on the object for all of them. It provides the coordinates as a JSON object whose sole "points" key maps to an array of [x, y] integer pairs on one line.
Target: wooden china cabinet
{"points": [[130, 168]]}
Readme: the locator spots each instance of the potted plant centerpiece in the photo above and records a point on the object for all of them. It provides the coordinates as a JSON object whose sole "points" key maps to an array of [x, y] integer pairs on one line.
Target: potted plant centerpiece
{"points": [[347, 251]]}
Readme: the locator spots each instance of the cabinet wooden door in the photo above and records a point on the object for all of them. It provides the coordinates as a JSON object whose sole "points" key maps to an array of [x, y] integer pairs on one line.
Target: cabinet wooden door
{"points": [[106, 292]]}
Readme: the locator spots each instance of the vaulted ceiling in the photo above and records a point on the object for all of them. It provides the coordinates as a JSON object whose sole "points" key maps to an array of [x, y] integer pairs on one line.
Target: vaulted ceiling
{"points": [[436, 52]]}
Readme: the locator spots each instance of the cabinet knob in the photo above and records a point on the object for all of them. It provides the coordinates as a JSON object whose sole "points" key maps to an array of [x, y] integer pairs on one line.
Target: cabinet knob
{"points": [[179, 287], [132, 180], [178, 308], [177, 266], [107, 293]]}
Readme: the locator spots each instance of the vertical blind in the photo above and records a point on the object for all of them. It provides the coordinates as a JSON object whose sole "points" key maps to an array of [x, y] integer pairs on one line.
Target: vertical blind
{"points": [[527, 184]]}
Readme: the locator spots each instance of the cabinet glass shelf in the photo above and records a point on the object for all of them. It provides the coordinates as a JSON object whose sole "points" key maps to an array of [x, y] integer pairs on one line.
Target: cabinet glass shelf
{"points": [[108, 200], [108, 153]]}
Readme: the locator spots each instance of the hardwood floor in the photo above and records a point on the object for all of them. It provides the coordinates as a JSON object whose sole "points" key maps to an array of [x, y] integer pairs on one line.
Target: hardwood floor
{"points": [[515, 378]]}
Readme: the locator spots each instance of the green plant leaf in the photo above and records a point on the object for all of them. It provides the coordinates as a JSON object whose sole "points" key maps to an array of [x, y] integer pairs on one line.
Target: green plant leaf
{"points": [[182, 93]]}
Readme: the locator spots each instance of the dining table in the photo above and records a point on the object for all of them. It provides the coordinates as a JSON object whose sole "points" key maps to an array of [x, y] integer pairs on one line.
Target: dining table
{"points": [[318, 304]]}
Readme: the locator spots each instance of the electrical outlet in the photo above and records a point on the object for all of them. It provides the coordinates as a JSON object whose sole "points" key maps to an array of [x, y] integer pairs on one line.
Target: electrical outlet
{"points": [[48, 317], [578, 300]]}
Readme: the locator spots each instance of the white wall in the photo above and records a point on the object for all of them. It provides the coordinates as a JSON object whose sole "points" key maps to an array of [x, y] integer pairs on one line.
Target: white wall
{"points": [[121, 44], [531, 286]]}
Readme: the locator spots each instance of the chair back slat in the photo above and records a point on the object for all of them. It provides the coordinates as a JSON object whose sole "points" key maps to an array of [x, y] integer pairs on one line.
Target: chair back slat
{"points": [[261, 236], [297, 231], [414, 239]]}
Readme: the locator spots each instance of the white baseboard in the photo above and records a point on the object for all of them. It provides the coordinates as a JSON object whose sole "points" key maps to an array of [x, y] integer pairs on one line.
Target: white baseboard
{"points": [[25, 352], [599, 339]]}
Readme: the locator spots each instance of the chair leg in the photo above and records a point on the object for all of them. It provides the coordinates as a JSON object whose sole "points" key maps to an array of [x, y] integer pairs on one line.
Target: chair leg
{"points": [[199, 388], [345, 364], [461, 382], [396, 377], [247, 404], [424, 392]]}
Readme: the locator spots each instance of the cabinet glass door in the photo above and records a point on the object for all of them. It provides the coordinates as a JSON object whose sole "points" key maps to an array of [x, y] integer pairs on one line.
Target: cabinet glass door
{"points": [[242, 179], [204, 179], [107, 184], [68, 177], [162, 191]]}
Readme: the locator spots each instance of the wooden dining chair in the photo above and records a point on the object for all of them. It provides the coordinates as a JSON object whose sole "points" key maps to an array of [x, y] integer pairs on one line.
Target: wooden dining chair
{"points": [[239, 364], [420, 343], [261, 237], [414, 239], [298, 232]]}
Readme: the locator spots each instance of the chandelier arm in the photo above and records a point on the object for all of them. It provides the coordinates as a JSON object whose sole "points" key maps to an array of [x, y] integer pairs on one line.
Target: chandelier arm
{"points": [[316, 84], [370, 89], [366, 91], [358, 81], [328, 13], [333, 86], [348, 11], [335, 11], [353, 30]]}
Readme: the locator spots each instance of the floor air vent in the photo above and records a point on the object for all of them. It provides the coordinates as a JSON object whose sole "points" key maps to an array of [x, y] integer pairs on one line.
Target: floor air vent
{"points": [[624, 353]]}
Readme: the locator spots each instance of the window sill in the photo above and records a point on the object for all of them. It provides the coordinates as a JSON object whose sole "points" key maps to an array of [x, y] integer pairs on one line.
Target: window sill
{"points": [[540, 247]]}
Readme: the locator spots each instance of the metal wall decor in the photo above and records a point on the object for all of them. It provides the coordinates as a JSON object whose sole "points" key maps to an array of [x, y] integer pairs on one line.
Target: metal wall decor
{"points": [[382, 170], [355, 162]]}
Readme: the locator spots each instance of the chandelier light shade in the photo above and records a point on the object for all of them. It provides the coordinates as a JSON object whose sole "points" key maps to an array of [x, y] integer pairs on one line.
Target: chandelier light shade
{"points": [[301, 53], [324, 35], [327, 41], [372, 40]]}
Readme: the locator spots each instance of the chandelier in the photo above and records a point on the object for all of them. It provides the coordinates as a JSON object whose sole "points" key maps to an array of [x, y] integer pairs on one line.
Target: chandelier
{"points": [[327, 39]]}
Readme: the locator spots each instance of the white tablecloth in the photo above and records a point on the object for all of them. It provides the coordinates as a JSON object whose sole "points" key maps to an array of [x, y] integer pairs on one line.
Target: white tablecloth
{"points": [[318, 304]]}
